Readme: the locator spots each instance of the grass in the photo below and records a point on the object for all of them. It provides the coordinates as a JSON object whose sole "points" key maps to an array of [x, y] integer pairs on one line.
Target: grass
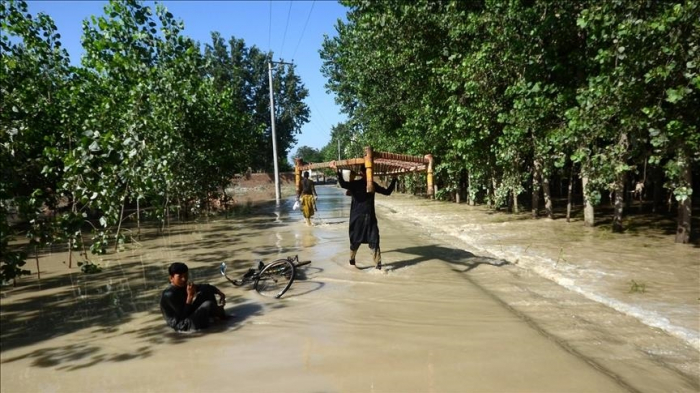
{"points": [[637, 287], [561, 257]]}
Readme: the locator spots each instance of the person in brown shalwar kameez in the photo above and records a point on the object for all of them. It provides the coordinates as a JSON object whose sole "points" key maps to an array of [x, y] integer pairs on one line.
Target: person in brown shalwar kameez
{"points": [[307, 196]]}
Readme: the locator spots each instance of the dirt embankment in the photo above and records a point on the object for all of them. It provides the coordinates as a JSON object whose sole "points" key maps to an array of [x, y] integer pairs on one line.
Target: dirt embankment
{"points": [[260, 187], [262, 180]]}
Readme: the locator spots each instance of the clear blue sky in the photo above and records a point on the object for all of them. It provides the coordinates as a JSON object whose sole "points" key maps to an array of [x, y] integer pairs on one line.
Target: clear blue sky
{"points": [[279, 26]]}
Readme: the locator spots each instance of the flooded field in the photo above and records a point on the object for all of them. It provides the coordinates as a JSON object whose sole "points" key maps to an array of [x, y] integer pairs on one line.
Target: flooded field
{"points": [[464, 304]]}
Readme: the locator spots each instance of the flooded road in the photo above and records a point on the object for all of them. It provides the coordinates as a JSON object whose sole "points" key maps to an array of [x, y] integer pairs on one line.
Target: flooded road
{"points": [[440, 317]]}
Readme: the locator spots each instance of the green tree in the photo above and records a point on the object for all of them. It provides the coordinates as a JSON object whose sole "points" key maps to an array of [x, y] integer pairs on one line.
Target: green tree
{"points": [[639, 97], [34, 87], [309, 154], [148, 120], [510, 94]]}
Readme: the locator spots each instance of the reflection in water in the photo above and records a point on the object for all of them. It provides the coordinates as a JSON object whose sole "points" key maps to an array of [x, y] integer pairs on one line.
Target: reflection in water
{"points": [[305, 239], [278, 243], [278, 213], [332, 204]]}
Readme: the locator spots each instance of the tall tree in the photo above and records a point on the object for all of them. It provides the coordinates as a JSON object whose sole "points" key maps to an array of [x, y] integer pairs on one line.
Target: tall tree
{"points": [[35, 90], [309, 154], [507, 94]]}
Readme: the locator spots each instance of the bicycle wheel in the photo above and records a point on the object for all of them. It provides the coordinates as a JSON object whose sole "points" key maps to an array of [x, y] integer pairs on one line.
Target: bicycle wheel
{"points": [[275, 279]]}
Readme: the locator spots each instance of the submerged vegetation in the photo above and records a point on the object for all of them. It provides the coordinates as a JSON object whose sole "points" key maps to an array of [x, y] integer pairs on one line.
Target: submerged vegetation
{"points": [[637, 287]]}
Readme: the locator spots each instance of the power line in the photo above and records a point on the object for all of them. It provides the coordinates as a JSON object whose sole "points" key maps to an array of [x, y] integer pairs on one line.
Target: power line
{"points": [[284, 37], [269, 30], [304, 29], [313, 103]]}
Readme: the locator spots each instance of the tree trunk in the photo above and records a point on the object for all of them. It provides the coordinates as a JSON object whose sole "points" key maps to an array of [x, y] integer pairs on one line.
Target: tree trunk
{"points": [[516, 210], [685, 206], [85, 253], [658, 182], [588, 209], [121, 217], [462, 192], [36, 256], [536, 181], [547, 198], [470, 200], [70, 252], [570, 194], [619, 186], [628, 195], [619, 204], [74, 209], [119, 226], [138, 220]]}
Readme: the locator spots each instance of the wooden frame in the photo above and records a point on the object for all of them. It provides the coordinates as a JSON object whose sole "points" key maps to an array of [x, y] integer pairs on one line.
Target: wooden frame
{"points": [[376, 164]]}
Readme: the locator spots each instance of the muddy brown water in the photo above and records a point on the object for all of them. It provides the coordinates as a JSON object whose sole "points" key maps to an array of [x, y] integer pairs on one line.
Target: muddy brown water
{"points": [[465, 303]]}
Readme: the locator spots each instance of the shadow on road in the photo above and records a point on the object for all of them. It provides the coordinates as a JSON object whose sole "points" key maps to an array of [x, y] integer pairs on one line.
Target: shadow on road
{"points": [[463, 261]]}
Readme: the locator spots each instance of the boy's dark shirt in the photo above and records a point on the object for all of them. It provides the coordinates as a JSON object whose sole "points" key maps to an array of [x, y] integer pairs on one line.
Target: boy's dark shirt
{"points": [[173, 305]]}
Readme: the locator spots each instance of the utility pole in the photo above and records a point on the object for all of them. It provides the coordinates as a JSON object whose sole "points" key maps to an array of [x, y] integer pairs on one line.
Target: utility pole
{"points": [[274, 134]]}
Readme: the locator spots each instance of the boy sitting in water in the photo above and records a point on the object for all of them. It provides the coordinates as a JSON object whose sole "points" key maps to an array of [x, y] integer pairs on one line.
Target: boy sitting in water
{"points": [[186, 306]]}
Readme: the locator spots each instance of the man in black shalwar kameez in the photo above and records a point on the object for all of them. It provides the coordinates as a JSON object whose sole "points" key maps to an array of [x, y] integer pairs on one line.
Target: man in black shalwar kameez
{"points": [[363, 220]]}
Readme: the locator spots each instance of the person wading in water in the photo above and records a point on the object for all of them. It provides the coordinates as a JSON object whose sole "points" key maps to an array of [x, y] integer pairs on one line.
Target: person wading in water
{"points": [[307, 193], [363, 220]]}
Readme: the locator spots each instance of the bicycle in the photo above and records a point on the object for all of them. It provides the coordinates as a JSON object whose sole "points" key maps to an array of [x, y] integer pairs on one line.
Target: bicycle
{"points": [[271, 280]]}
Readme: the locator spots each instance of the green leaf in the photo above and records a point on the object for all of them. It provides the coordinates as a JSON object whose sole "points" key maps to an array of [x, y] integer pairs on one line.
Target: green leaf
{"points": [[674, 95]]}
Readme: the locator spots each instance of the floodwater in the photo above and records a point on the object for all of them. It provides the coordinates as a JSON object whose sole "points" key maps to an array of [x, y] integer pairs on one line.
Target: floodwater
{"points": [[465, 303]]}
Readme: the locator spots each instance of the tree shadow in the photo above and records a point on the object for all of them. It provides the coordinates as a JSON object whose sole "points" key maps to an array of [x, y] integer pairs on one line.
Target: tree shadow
{"points": [[105, 304], [463, 261], [75, 301], [89, 352]]}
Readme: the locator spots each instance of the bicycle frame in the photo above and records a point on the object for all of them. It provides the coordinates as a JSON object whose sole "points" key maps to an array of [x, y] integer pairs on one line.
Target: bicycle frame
{"points": [[247, 278], [273, 279]]}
